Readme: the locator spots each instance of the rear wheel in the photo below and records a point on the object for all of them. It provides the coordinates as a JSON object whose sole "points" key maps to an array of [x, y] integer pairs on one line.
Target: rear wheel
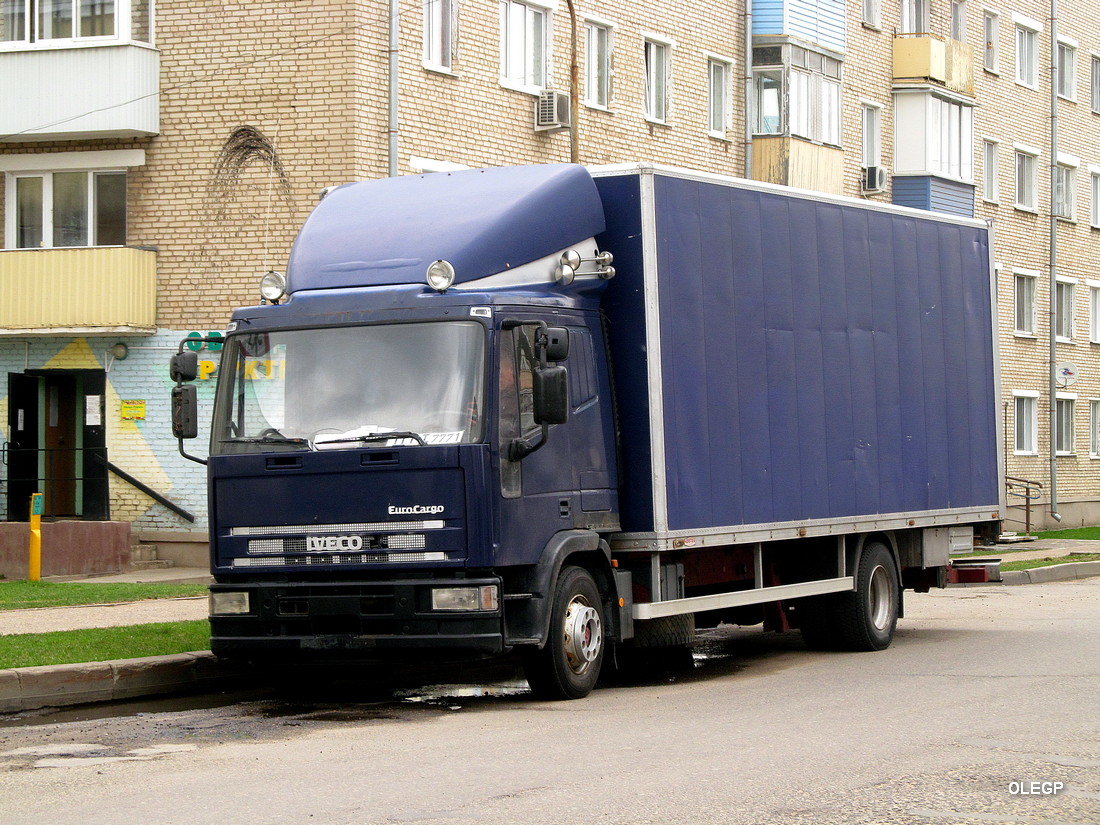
{"points": [[568, 665]]}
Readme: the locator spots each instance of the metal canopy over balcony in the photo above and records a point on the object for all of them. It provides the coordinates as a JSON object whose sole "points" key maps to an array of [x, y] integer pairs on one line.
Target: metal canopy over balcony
{"points": [[86, 291]]}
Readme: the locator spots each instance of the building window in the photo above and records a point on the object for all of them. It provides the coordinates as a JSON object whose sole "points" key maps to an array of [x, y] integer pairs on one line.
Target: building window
{"points": [[768, 101], [1094, 217], [1063, 310], [991, 24], [1024, 283], [1096, 84], [815, 107], [1067, 70], [438, 30], [657, 69], [1064, 180], [914, 16], [1094, 428], [990, 191], [872, 13], [1094, 312], [958, 20], [718, 96], [523, 52], [1027, 56], [952, 139], [33, 21], [597, 65], [1027, 422], [65, 209], [1026, 180], [1064, 441], [872, 135]]}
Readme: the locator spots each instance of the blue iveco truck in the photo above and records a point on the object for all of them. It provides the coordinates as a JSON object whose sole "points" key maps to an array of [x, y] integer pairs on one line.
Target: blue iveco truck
{"points": [[566, 412]]}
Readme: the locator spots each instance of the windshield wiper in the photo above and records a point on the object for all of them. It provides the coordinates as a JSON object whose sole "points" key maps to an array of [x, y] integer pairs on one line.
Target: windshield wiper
{"points": [[374, 437], [264, 439]]}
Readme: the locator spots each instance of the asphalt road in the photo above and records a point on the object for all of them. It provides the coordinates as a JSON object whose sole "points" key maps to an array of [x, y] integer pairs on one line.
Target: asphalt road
{"points": [[985, 691]]}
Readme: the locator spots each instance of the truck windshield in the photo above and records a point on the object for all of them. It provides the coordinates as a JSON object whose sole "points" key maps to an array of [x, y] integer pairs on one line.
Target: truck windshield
{"points": [[348, 387]]}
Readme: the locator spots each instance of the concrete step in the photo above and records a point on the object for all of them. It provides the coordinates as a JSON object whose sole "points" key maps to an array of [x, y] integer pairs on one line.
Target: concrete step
{"points": [[152, 564]]}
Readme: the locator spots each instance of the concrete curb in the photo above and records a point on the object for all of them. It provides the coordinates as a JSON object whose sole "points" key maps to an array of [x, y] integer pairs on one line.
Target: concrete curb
{"points": [[1052, 573], [29, 688]]}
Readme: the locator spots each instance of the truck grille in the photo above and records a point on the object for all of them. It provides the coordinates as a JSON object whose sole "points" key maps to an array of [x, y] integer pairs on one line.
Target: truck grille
{"points": [[333, 558]]}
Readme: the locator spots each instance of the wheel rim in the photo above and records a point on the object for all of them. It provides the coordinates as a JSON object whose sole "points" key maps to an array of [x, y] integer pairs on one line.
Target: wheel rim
{"points": [[880, 599], [583, 635]]}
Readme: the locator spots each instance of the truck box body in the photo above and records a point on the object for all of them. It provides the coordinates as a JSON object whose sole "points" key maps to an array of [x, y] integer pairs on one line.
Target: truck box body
{"points": [[788, 361]]}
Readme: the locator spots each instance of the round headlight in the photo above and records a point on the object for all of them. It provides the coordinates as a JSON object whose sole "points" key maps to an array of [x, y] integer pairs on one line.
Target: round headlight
{"points": [[440, 276], [273, 286]]}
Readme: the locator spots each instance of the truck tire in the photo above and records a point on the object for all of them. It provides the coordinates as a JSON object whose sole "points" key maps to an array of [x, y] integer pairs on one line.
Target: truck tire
{"points": [[568, 665], [667, 631], [866, 617]]}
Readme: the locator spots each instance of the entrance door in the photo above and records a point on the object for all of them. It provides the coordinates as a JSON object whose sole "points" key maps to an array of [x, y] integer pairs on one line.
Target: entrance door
{"points": [[58, 444], [22, 448]]}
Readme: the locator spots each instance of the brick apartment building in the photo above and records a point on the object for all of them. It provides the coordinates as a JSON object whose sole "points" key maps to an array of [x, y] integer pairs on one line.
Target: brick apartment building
{"points": [[157, 160]]}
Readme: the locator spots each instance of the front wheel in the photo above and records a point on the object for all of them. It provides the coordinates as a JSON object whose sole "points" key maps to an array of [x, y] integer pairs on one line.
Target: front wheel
{"points": [[568, 665], [868, 615]]}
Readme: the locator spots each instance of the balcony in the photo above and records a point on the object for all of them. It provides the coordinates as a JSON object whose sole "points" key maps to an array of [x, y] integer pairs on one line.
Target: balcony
{"points": [[80, 92], [86, 291], [794, 162], [925, 57]]}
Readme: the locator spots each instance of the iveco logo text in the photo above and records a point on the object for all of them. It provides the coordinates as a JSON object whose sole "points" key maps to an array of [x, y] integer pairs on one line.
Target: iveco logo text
{"points": [[416, 510], [334, 543]]}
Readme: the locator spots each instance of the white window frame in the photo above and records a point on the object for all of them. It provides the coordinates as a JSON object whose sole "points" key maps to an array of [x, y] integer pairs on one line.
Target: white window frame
{"points": [[1027, 50], [1094, 428], [1094, 205], [915, 16], [719, 118], [1029, 202], [871, 130], [815, 106], [124, 31], [657, 77], [958, 20], [524, 46], [1025, 284], [1095, 82], [598, 71], [439, 41], [872, 13], [90, 206], [991, 189], [773, 73], [991, 32], [1065, 301], [1067, 79], [37, 163], [951, 139], [1094, 310], [1065, 438], [1026, 402], [1064, 201]]}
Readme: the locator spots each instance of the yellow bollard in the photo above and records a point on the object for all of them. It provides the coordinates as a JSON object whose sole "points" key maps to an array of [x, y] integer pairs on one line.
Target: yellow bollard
{"points": [[34, 564]]}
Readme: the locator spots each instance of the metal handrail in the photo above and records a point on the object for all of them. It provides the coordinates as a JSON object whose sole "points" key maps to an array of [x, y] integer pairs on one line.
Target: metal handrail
{"points": [[1031, 491]]}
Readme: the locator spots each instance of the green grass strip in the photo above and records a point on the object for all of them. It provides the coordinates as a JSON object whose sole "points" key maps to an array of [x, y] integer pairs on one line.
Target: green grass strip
{"points": [[103, 643], [1082, 533], [1028, 564], [17, 595]]}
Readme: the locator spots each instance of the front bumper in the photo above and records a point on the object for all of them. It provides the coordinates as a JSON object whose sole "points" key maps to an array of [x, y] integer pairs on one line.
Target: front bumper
{"points": [[354, 621]]}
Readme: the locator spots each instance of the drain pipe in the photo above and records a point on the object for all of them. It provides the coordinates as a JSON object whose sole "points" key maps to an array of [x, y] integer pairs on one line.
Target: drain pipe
{"points": [[748, 90], [393, 70], [1053, 261]]}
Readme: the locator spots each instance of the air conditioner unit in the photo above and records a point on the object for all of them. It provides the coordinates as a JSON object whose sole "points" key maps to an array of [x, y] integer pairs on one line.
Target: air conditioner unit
{"points": [[551, 111], [874, 179]]}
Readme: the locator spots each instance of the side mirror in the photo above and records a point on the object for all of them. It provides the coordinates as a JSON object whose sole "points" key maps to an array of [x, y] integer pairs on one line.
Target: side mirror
{"points": [[185, 411], [557, 343], [551, 395], [184, 366]]}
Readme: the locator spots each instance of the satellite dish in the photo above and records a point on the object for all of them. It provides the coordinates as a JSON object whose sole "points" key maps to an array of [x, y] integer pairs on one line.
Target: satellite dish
{"points": [[1065, 374]]}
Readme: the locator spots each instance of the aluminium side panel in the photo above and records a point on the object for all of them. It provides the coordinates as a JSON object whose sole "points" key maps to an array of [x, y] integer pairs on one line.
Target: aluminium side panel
{"points": [[818, 361]]}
